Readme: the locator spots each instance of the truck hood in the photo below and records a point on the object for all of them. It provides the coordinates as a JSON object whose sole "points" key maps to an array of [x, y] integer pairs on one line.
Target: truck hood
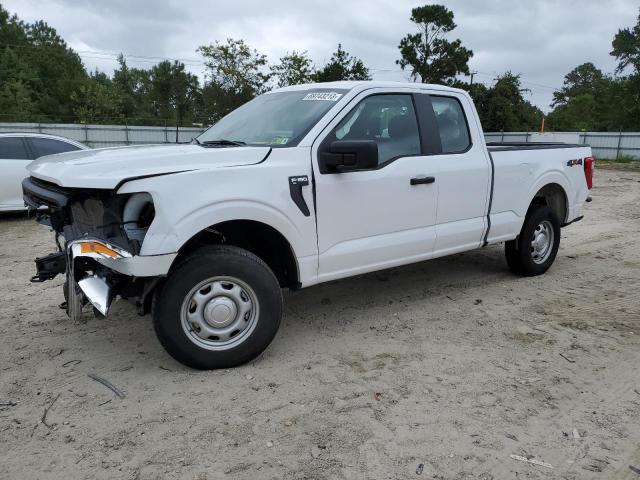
{"points": [[108, 167]]}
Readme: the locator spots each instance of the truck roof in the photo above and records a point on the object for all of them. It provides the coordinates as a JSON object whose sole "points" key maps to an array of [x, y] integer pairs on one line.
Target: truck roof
{"points": [[363, 84]]}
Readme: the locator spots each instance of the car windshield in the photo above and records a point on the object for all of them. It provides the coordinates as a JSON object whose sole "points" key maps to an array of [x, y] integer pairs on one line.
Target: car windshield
{"points": [[278, 119]]}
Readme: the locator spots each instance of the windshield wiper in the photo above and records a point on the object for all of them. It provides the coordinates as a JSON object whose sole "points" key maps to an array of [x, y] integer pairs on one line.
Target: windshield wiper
{"points": [[222, 143]]}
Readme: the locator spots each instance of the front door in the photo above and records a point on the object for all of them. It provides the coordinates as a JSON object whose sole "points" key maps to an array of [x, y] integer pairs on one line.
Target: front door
{"points": [[383, 216]]}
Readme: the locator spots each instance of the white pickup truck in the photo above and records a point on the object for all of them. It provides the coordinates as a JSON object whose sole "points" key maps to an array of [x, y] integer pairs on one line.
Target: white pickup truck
{"points": [[299, 186]]}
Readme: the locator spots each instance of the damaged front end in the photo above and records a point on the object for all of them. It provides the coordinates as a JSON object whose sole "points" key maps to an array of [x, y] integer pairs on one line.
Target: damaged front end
{"points": [[98, 235]]}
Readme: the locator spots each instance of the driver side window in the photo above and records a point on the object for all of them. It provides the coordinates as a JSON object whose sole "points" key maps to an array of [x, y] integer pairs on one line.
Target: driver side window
{"points": [[389, 120]]}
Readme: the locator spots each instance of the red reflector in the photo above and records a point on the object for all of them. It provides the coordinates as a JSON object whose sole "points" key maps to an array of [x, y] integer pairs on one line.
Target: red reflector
{"points": [[589, 163]]}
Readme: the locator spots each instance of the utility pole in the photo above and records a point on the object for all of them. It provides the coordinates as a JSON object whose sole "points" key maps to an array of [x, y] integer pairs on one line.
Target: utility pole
{"points": [[471, 81]]}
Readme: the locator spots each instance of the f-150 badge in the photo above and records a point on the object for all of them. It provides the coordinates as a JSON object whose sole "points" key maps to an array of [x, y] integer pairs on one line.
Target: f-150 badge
{"points": [[295, 189]]}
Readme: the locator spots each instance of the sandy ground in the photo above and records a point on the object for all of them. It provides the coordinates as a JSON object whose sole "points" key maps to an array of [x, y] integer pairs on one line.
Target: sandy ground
{"points": [[453, 364]]}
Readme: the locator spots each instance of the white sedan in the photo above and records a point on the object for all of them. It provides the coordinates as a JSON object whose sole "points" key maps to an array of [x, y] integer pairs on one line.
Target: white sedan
{"points": [[17, 150]]}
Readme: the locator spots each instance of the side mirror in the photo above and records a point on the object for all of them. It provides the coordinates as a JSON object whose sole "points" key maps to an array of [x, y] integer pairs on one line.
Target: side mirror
{"points": [[348, 155]]}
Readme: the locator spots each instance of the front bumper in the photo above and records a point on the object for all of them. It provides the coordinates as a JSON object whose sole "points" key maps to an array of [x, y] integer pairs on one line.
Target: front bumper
{"points": [[96, 287], [121, 261], [103, 234]]}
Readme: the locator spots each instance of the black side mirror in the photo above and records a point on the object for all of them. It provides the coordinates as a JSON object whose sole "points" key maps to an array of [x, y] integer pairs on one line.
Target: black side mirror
{"points": [[348, 155]]}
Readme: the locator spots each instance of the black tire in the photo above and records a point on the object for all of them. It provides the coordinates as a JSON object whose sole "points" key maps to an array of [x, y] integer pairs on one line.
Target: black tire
{"points": [[520, 257], [207, 263]]}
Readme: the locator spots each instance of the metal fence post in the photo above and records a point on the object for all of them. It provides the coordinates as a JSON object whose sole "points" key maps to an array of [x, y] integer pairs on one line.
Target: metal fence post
{"points": [[86, 133], [619, 142], [502, 138], [166, 132], [126, 133], [526, 138]]}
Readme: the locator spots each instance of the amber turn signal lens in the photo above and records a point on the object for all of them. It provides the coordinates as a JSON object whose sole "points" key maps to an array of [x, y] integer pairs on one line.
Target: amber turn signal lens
{"points": [[95, 247]]}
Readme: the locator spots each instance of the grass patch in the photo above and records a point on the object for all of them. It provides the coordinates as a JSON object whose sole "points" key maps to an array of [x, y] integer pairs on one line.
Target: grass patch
{"points": [[625, 163]]}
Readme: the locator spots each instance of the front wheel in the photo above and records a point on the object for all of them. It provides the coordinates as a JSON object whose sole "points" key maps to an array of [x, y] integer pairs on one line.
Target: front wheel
{"points": [[535, 249], [221, 307]]}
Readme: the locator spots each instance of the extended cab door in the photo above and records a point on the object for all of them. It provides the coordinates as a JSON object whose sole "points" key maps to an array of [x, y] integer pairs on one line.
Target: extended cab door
{"points": [[461, 167], [384, 215]]}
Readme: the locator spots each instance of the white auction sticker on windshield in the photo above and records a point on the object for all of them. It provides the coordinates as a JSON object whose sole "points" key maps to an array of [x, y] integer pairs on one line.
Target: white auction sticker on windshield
{"points": [[326, 96]]}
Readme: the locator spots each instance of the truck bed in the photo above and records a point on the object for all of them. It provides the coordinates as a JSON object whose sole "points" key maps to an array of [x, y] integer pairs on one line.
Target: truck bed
{"points": [[520, 170], [501, 146]]}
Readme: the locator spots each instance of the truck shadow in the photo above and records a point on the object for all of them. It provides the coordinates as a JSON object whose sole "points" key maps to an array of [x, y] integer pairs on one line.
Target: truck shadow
{"points": [[452, 275], [350, 303]]}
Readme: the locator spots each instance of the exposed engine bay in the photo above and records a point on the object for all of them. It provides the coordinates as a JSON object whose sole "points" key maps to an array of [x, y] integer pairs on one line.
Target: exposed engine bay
{"points": [[92, 228]]}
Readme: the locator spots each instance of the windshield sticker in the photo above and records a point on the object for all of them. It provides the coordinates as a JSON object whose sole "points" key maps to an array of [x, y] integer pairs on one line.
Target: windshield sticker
{"points": [[323, 96], [279, 140]]}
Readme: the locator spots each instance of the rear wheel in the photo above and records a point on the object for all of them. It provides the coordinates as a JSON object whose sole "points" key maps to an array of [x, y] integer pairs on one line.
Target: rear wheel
{"points": [[221, 307], [535, 249]]}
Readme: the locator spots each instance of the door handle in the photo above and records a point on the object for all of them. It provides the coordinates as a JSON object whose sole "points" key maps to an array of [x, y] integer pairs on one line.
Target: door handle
{"points": [[422, 180]]}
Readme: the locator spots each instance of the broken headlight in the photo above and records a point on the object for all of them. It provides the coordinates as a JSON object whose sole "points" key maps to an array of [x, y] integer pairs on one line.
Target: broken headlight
{"points": [[137, 215]]}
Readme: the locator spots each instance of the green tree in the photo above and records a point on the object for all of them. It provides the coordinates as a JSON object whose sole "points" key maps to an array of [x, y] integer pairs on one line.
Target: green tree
{"points": [[96, 101], [342, 66], [294, 69], [16, 103], [502, 107], [132, 85], [626, 48], [16, 95], [38, 67], [173, 92], [579, 113], [584, 79], [430, 56], [235, 74], [58, 70], [584, 102], [591, 100]]}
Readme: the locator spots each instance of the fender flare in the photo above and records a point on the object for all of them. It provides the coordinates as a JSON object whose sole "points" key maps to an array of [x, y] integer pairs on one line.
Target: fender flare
{"points": [[548, 178], [195, 222]]}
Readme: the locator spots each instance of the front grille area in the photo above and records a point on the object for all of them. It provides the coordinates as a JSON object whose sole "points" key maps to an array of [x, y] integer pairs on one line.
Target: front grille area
{"points": [[38, 193], [80, 212]]}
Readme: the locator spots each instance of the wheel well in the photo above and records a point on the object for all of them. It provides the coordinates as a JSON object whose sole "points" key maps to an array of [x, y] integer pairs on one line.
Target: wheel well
{"points": [[554, 197], [258, 238]]}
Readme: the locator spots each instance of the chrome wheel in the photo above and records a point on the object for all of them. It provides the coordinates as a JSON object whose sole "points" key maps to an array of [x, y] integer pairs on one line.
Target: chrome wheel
{"points": [[542, 242], [219, 313]]}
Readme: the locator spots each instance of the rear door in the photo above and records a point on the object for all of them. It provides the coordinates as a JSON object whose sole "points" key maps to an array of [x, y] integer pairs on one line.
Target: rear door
{"points": [[376, 218], [461, 168], [14, 158]]}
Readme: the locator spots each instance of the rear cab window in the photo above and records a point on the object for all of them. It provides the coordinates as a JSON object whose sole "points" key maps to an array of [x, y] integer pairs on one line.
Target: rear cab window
{"points": [[13, 148], [451, 123]]}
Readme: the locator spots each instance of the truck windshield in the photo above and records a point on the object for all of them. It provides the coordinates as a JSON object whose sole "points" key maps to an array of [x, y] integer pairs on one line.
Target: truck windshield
{"points": [[278, 119]]}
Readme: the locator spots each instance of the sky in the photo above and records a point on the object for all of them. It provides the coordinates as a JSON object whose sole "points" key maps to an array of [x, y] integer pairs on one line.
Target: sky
{"points": [[542, 40]]}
